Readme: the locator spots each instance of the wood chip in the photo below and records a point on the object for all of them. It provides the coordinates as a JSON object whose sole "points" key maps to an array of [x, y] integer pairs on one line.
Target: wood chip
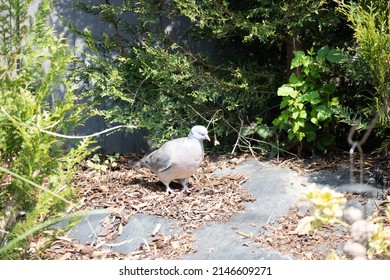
{"points": [[212, 199], [156, 229]]}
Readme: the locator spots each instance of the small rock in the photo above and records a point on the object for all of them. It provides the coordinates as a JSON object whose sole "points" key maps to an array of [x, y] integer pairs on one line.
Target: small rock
{"points": [[361, 231], [352, 214], [355, 249]]}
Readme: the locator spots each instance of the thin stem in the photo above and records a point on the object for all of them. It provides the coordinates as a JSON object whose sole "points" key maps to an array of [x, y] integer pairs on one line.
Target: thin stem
{"points": [[2, 169]]}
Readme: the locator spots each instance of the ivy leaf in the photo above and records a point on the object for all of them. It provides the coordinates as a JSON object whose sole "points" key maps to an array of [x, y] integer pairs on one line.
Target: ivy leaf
{"points": [[246, 130], [291, 135], [314, 97], [300, 136], [303, 114], [278, 121], [329, 88], [323, 112], [301, 122], [293, 79]]}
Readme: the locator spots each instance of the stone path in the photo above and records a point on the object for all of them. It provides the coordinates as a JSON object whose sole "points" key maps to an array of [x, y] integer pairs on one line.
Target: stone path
{"points": [[276, 189]]}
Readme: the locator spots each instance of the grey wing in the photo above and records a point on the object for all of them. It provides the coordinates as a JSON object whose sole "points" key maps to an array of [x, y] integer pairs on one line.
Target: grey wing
{"points": [[160, 159]]}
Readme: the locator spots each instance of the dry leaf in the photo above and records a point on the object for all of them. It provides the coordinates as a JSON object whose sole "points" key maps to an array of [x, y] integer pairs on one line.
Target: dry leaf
{"points": [[106, 221], [139, 206], [105, 232], [39, 243], [66, 256], [246, 235], [175, 244], [304, 225], [120, 229]]}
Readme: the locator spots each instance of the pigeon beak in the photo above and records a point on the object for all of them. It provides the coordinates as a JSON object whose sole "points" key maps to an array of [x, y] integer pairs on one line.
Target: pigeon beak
{"points": [[207, 137]]}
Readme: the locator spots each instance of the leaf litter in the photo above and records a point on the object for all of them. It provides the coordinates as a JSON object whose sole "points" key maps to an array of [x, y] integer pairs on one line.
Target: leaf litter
{"points": [[127, 191]]}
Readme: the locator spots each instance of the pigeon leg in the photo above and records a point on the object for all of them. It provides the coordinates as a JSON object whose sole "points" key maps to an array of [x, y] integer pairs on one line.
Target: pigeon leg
{"points": [[169, 190], [185, 189], [184, 183]]}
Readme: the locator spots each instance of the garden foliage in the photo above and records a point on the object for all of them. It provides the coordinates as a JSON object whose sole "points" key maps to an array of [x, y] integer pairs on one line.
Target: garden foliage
{"points": [[371, 57], [37, 98], [308, 102], [264, 75], [177, 63]]}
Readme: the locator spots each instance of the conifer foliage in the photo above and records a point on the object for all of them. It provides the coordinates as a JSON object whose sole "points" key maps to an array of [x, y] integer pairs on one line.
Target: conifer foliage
{"points": [[37, 100]]}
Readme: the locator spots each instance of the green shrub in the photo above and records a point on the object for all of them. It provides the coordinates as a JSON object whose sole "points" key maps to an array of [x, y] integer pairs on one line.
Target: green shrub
{"points": [[308, 99], [154, 81], [34, 65], [370, 60], [153, 76]]}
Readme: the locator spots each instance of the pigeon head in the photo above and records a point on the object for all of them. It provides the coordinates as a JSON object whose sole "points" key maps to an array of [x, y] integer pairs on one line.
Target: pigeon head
{"points": [[199, 132]]}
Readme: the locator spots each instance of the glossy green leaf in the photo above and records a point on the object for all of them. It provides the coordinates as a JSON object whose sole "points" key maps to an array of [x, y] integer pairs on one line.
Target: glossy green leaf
{"points": [[284, 102], [300, 59], [295, 126], [287, 91]]}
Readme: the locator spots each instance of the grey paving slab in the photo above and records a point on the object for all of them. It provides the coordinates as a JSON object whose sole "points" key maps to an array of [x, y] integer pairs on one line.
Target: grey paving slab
{"points": [[339, 179], [138, 231], [87, 229], [332, 178], [221, 242], [276, 189]]}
